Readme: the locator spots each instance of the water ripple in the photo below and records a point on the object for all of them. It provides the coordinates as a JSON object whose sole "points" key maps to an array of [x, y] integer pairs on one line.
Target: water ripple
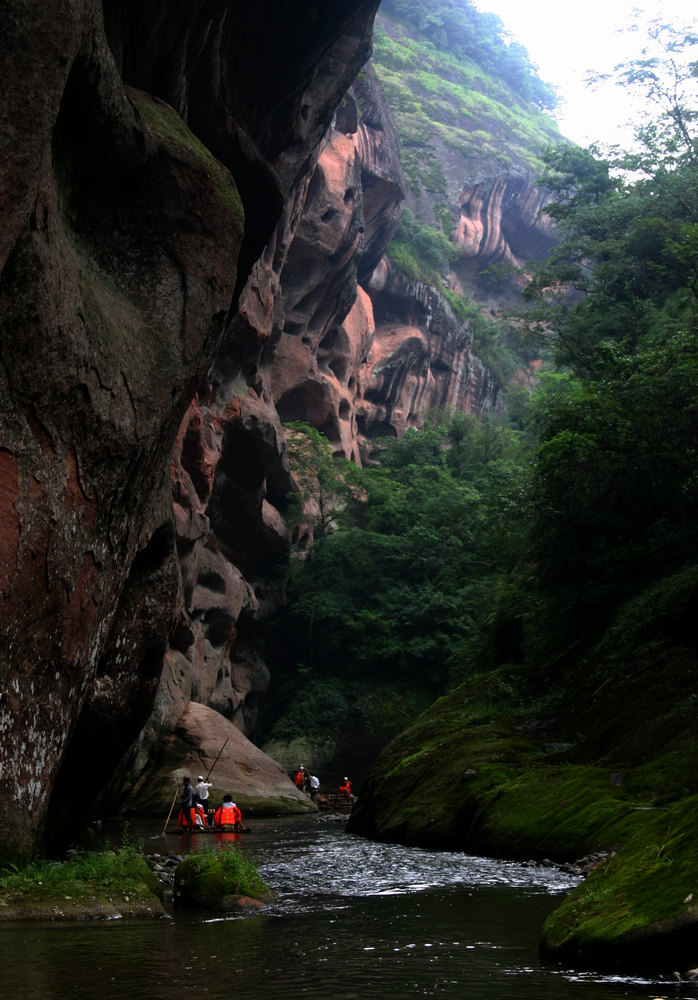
{"points": [[349, 866]]}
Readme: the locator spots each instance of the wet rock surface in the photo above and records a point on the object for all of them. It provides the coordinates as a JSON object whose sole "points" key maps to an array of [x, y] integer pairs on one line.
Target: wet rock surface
{"points": [[164, 867], [581, 866]]}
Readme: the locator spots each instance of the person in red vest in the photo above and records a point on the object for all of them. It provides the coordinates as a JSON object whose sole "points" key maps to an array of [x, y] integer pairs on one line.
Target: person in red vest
{"points": [[227, 814], [299, 779], [345, 789]]}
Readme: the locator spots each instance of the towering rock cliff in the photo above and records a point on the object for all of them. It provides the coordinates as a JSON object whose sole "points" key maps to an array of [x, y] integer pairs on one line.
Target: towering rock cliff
{"points": [[156, 157], [196, 209], [351, 347]]}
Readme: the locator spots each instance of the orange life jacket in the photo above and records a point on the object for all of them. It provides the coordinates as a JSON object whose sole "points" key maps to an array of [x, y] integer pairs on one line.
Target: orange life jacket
{"points": [[188, 817], [345, 789], [227, 815]]}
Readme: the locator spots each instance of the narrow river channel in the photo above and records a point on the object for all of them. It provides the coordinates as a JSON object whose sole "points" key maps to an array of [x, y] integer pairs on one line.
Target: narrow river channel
{"points": [[353, 919]]}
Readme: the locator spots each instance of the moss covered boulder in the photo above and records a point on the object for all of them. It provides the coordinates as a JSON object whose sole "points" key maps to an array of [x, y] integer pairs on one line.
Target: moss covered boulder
{"points": [[481, 771], [221, 878], [639, 908]]}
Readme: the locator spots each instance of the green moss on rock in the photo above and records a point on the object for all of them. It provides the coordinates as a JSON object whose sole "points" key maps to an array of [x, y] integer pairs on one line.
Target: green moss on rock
{"points": [[483, 771], [166, 124], [594, 752], [640, 906], [219, 878], [437, 97]]}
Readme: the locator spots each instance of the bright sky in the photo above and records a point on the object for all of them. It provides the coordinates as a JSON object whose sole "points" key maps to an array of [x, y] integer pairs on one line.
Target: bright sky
{"points": [[567, 40]]}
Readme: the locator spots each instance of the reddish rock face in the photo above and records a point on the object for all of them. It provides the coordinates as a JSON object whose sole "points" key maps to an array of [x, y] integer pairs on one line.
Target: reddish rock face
{"points": [[315, 368], [310, 325], [502, 221], [351, 360], [110, 303], [121, 247]]}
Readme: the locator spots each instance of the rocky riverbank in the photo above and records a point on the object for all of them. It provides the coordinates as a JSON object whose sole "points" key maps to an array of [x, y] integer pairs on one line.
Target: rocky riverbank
{"points": [[105, 885]]}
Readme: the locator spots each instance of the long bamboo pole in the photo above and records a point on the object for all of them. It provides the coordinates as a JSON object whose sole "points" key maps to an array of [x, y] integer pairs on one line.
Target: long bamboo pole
{"points": [[170, 812], [210, 770]]}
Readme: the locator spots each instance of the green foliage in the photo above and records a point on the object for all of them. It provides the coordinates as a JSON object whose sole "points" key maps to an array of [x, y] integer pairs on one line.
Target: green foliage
{"points": [[419, 251], [443, 97], [324, 481], [614, 489], [394, 591], [457, 27], [316, 706], [496, 343], [339, 717], [621, 271], [84, 878], [616, 481]]}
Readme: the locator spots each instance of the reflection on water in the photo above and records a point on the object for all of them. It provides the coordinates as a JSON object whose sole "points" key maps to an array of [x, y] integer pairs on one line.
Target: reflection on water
{"points": [[353, 919]]}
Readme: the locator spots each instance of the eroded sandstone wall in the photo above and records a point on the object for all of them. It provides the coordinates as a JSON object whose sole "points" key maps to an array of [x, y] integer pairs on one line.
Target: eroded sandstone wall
{"points": [[502, 221], [308, 326], [128, 255], [349, 346]]}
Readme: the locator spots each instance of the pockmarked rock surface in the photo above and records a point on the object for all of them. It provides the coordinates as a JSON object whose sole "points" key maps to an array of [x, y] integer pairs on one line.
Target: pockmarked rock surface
{"points": [[153, 156]]}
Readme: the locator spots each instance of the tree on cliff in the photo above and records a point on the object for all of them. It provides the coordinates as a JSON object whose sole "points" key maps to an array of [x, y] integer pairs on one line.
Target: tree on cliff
{"points": [[324, 482], [615, 489]]}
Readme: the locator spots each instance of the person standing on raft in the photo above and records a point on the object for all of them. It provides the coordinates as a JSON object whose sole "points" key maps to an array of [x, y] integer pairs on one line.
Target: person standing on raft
{"points": [[202, 795], [314, 783], [187, 811]]}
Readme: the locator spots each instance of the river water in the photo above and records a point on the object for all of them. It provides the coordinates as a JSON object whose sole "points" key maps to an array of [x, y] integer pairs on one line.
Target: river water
{"points": [[353, 920]]}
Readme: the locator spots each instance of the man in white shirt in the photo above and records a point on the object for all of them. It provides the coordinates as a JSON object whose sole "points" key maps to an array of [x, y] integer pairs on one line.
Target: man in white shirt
{"points": [[314, 787], [201, 791]]}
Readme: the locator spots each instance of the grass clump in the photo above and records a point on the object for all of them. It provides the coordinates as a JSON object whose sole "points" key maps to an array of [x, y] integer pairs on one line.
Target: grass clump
{"points": [[217, 877], [92, 883]]}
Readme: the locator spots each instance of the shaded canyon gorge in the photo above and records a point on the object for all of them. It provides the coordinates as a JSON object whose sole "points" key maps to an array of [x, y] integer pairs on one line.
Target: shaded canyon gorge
{"points": [[197, 201]]}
